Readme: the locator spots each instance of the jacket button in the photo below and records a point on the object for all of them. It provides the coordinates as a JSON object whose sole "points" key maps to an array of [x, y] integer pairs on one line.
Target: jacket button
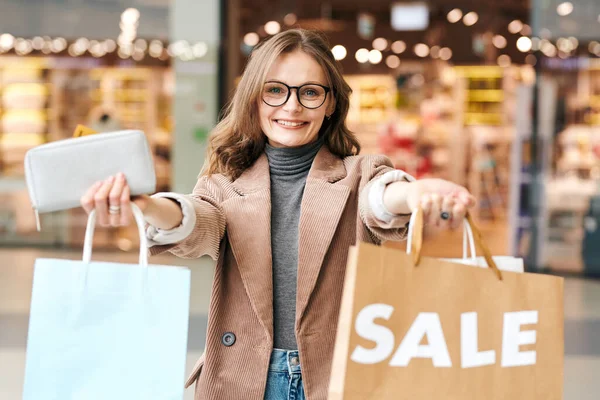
{"points": [[228, 339]]}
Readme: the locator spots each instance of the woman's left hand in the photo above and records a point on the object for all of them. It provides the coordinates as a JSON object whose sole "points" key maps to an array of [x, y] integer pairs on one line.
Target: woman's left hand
{"points": [[445, 204]]}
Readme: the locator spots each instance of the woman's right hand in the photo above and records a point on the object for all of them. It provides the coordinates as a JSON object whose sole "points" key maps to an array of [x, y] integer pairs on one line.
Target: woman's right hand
{"points": [[111, 200]]}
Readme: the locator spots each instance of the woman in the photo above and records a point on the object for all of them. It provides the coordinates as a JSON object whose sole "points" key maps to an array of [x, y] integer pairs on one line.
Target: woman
{"points": [[282, 197]]}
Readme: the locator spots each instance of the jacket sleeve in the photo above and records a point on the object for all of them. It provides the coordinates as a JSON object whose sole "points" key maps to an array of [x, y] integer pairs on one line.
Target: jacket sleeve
{"points": [[158, 236], [383, 225], [204, 237]]}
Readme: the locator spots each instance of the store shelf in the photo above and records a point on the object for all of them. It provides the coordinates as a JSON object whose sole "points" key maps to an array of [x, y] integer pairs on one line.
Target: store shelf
{"points": [[122, 95], [72, 96], [372, 99], [25, 117], [485, 96], [480, 72], [132, 74], [595, 101], [483, 119]]}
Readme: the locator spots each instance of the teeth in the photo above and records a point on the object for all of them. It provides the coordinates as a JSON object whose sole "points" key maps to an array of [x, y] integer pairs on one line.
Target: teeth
{"points": [[288, 123]]}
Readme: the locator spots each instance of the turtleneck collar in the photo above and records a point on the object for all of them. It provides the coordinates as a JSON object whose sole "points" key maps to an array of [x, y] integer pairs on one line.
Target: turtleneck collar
{"points": [[289, 161]]}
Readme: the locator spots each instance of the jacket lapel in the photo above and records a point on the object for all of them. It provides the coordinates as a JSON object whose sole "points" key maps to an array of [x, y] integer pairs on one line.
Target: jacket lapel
{"points": [[318, 221], [249, 233]]}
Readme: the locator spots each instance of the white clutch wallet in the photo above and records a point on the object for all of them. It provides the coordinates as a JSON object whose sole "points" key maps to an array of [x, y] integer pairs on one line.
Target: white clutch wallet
{"points": [[59, 173]]}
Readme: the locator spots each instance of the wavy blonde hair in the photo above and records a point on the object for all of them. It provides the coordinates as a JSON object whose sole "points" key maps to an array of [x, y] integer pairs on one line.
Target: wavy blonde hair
{"points": [[237, 140]]}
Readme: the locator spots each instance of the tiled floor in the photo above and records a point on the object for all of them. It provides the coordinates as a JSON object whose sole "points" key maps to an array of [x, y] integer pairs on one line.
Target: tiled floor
{"points": [[582, 320]]}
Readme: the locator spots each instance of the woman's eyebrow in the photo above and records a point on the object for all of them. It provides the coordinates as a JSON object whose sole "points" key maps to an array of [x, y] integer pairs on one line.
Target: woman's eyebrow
{"points": [[305, 83]]}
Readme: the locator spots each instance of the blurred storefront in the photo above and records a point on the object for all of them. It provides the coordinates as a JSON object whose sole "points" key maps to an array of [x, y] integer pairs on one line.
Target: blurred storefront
{"points": [[108, 66], [501, 96], [564, 211]]}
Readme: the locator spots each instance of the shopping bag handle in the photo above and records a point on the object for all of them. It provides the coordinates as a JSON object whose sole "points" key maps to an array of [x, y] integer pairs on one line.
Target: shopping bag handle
{"points": [[91, 226], [468, 242], [487, 254], [415, 240]]}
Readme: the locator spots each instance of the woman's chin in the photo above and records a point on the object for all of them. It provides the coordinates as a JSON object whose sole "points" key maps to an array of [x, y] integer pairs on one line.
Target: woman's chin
{"points": [[288, 141]]}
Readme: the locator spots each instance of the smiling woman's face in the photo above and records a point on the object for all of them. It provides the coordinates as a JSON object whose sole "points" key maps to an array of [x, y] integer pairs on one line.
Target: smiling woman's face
{"points": [[291, 124]]}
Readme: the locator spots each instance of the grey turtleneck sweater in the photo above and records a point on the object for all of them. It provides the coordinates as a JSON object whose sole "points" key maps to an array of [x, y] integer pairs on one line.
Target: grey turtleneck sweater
{"points": [[289, 168]]}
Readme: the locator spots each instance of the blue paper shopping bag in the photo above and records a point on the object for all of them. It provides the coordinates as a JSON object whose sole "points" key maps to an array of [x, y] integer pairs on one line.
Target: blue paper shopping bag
{"points": [[101, 331]]}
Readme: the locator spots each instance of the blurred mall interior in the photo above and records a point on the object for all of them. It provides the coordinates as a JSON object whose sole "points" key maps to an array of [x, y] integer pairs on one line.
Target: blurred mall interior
{"points": [[444, 88], [502, 96]]}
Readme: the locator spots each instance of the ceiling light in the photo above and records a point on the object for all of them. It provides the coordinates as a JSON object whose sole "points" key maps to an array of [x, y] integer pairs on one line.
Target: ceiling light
{"points": [[515, 26], [564, 45], [564, 9], [141, 44], [574, 42], [362, 55], [380, 44], [499, 41], [455, 15], [109, 45], [421, 50], [375, 56], [392, 61], [251, 39], [58, 45], [23, 47], [504, 61], [37, 43], [446, 53], [339, 52], [200, 49], [524, 44], [156, 48], [549, 49], [272, 27], [130, 16], [7, 41], [398, 47], [471, 18], [290, 19]]}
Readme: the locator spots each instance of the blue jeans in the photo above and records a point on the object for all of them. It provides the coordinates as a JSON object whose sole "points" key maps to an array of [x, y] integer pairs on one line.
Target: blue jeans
{"points": [[284, 381]]}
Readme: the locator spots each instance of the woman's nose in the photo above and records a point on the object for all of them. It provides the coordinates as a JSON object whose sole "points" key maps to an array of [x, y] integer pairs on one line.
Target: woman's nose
{"points": [[292, 104]]}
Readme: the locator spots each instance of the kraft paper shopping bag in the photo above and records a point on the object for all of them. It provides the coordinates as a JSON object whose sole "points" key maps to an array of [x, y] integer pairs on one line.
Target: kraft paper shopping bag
{"points": [[420, 328]]}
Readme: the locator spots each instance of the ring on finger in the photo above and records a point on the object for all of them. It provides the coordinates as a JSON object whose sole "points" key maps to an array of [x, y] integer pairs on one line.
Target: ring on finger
{"points": [[114, 210], [445, 215]]}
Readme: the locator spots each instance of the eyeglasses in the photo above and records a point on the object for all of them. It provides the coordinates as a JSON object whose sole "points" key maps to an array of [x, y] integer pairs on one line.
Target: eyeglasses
{"points": [[310, 95]]}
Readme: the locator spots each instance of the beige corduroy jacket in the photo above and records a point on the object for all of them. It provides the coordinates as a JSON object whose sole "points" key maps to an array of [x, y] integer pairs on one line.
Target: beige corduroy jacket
{"points": [[233, 227]]}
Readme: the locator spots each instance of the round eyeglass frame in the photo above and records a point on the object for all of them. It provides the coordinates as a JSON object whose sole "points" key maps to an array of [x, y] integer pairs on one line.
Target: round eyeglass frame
{"points": [[289, 93]]}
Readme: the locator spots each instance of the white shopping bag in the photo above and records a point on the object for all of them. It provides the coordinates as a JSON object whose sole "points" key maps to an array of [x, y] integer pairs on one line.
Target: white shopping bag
{"points": [[505, 263], [101, 330]]}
